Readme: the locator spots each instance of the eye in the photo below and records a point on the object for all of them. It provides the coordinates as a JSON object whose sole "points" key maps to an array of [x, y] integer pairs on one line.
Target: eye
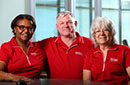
{"points": [[70, 22], [97, 31], [61, 23], [106, 30], [21, 27], [29, 28]]}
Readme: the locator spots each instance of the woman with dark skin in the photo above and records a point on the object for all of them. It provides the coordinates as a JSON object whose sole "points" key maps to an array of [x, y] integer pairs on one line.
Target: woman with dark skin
{"points": [[21, 59]]}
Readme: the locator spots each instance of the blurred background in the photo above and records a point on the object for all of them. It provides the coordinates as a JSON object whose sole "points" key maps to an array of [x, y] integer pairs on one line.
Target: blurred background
{"points": [[45, 12]]}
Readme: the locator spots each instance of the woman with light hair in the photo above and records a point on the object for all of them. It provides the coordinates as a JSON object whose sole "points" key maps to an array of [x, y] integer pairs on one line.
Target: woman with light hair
{"points": [[107, 23], [108, 62]]}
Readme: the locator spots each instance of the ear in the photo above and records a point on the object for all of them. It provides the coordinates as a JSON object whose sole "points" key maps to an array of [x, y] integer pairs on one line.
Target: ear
{"points": [[14, 29], [57, 26], [75, 23], [93, 35]]}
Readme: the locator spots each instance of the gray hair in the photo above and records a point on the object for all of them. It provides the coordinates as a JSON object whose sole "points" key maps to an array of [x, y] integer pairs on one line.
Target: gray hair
{"points": [[107, 23], [64, 13]]}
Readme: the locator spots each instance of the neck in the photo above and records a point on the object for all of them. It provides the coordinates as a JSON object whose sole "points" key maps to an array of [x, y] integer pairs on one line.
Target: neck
{"points": [[69, 40], [104, 47], [22, 44]]}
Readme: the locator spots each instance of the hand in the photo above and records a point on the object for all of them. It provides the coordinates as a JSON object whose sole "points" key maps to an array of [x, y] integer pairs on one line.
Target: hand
{"points": [[26, 79], [16, 78]]}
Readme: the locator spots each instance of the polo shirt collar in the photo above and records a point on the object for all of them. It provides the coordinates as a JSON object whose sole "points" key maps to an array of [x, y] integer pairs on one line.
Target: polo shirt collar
{"points": [[113, 48], [78, 41], [15, 44]]}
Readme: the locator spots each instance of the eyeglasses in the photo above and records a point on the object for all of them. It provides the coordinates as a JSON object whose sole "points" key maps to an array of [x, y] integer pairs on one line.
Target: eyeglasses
{"points": [[22, 27], [103, 30]]}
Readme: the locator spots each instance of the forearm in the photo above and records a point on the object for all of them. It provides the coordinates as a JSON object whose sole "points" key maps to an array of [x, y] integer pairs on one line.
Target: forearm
{"points": [[4, 76], [128, 71], [87, 75]]}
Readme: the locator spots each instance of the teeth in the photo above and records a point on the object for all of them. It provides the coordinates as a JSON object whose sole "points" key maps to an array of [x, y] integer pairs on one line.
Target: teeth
{"points": [[25, 34], [102, 38]]}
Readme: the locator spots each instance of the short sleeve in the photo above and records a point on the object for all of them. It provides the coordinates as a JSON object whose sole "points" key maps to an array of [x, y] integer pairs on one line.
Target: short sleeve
{"points": [[43, 43], [87, 61], [127, 57], [4, 53]]}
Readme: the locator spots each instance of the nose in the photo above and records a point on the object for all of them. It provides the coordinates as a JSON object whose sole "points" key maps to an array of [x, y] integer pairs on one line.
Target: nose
{"points": [[66, 24], [101, 31]]}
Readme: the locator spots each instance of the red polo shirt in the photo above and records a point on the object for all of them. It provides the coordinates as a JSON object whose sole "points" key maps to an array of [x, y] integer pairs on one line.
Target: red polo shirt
{"points": [[113, 69], [19, 63], [66, 62]]}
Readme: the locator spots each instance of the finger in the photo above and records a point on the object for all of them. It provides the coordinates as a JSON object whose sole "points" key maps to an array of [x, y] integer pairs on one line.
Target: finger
{"points": [[27, 79]]}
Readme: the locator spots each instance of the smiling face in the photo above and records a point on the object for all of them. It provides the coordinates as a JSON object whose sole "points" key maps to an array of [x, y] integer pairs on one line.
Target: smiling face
{"points": [[103, 36], [23, 30], [66, 25]]}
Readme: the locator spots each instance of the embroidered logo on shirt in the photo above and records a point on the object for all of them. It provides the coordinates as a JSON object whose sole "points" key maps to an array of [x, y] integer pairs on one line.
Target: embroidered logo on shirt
{"points": [[33, 53], [113, 60], [78, 53]]}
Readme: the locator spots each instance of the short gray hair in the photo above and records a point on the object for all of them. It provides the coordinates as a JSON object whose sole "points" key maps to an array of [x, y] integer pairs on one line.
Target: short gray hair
{"points": [[106, 22], [64, 13]]}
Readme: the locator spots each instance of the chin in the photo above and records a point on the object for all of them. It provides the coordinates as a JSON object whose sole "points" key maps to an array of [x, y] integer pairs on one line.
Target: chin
{"points": [[103, 43], [65, 34], [26, 39]]}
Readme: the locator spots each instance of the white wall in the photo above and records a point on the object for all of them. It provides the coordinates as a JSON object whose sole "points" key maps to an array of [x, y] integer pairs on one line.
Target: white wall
{"points": [[8, 10]]}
